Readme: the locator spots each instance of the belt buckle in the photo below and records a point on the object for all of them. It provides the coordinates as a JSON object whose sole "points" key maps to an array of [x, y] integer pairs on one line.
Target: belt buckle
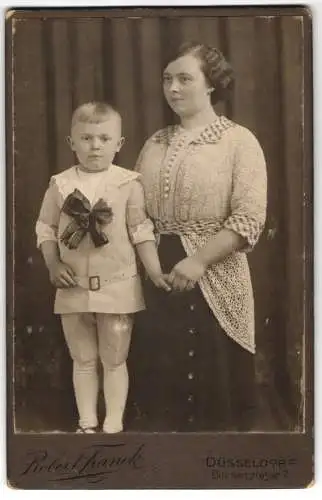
{"points": [[94, 283]]}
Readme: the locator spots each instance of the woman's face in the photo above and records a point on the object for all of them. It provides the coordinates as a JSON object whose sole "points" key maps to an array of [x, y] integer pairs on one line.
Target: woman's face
{"points": [[185, 86]]}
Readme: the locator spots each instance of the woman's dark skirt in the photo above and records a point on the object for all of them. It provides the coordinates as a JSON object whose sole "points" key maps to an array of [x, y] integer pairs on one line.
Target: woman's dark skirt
{"points": [[186, 374]]}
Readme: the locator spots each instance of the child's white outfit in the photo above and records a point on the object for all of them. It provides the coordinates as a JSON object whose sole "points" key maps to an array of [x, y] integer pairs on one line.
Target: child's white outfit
{"points": [[96, 314]]}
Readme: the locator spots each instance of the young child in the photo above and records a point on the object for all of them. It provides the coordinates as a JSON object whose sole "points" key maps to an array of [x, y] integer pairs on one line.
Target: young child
{"points": [[91, 217]]}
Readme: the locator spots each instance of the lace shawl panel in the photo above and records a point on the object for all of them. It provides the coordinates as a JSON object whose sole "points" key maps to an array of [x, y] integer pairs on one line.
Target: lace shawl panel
{"points": [[227, 289]]}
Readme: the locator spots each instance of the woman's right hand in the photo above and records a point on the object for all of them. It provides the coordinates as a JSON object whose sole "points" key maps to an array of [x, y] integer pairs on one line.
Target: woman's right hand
{"points": [[186, 273], [61, 275]]}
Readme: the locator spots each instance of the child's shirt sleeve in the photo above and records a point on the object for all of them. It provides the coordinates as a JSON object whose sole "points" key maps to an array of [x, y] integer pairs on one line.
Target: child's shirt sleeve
{"points": [[140, 227], [48, 219]]}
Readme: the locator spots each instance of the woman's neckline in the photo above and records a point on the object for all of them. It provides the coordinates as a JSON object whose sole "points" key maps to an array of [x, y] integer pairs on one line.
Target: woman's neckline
{"points": [[198, 128], [192, 129], [201, 119]]}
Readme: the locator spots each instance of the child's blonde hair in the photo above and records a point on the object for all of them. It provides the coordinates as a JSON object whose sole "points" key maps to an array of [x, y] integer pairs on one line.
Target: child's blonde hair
{"points": [[93, 112]]}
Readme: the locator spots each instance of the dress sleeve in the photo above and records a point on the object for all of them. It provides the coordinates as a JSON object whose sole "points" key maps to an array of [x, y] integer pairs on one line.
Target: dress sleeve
{"points": [[139, 225], [48, 219], [249, 190]]}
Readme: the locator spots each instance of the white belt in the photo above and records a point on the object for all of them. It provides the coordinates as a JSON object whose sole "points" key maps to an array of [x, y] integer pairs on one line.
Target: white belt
{"points": [[98, 281]]}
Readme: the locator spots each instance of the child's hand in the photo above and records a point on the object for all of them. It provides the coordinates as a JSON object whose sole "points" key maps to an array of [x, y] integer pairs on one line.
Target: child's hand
{"points": [[62, 276], [159, 281]]}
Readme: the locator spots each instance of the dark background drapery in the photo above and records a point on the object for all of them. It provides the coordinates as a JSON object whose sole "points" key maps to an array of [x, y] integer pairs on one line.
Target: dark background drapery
{"points": [[58, 64]]}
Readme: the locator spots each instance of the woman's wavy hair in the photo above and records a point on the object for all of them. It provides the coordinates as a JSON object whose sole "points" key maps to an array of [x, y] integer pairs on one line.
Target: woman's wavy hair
{"points": [[218, 72]]}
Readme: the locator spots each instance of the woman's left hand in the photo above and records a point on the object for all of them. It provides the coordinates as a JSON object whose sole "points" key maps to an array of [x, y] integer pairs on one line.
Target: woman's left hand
{"points": [[186, 273]]}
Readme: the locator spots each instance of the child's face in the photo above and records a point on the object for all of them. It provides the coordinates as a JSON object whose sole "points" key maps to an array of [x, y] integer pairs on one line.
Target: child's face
{"points": [[96, 144]]}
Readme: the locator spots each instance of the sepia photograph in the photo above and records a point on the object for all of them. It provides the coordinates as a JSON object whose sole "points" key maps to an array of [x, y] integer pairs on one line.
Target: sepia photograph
{"points": [[159, 205]]}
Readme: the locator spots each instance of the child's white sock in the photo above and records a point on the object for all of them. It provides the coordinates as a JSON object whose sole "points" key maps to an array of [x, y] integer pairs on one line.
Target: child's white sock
{"points": [[116, 383], [85, 380]]}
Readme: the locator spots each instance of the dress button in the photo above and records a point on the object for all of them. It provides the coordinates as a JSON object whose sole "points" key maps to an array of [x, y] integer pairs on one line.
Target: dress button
{"points": [[166, 196], [190, 376], [191, 353], [191, 419], [166, 188], [192, 330], [192, 307], [190, 398]]}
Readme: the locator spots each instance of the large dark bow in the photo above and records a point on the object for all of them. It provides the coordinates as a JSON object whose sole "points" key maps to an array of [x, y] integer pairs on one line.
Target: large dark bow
{"points": [[85, 220]]}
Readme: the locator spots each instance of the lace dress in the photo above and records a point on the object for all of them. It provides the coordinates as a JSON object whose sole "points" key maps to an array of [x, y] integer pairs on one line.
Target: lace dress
{"points": [[197, 347]]}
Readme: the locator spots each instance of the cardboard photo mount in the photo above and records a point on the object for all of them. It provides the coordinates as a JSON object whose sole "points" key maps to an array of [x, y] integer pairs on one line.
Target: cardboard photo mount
{"points": [[271, 50]]}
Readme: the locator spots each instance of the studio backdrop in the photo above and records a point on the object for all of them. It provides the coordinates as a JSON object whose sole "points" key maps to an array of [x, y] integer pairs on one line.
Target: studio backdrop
{"points": [[60, 63]]}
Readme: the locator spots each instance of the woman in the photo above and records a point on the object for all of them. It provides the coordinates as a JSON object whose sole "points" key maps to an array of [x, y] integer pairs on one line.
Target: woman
{"points": [[205, 186]]}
